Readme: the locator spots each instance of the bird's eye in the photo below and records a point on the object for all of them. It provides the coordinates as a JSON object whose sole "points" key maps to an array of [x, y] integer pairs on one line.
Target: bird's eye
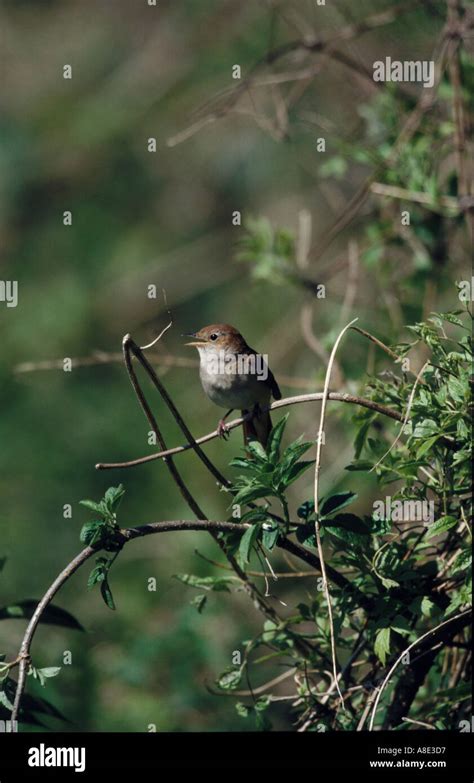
{"points": [[213, 336]]}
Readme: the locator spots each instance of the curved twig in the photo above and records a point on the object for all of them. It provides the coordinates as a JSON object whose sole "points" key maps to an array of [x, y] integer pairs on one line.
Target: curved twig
{"points": [[433, 632], [317, 468], [316, 397]]}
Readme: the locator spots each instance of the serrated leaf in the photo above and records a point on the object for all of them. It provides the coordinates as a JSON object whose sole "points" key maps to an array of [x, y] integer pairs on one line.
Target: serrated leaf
{"points": [[92, 505], [247, 541], [270, 536], [113, 496], [426, 429], [349, 522], [382, 644], [426, 446], [230, 679], [462, 562], [389, 583], [296, 471], [426, 606], [91, 532], [274, 439], [441, 525], [250, 493], [106, 594], [257, 451], [334, 502], [242, 709]]}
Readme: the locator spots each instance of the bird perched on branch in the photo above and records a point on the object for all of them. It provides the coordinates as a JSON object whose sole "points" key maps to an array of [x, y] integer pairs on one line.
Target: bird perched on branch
{"points": [[235, 376]]}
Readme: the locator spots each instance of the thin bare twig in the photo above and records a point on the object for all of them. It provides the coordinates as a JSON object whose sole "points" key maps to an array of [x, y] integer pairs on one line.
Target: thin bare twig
{"points": [[461, 619], [317, 396], [317, 468]]}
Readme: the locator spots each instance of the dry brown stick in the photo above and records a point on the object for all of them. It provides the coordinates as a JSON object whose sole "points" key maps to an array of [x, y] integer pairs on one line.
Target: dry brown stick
{"points": [[313, 44], [159, 359], [138, 353], [127, 534], [25, 647], [335, 396]]}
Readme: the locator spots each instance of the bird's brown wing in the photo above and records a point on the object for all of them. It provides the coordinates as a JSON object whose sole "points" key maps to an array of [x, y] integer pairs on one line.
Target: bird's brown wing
{"points": [[271, 382], [273, 385]]}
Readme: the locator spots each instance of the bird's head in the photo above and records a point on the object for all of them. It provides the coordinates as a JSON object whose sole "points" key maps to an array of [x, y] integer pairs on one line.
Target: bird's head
{"points": [[218, 337]]}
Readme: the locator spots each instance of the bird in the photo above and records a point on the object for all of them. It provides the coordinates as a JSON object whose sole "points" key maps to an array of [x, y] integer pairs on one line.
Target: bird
{"points": [[234, 376]]}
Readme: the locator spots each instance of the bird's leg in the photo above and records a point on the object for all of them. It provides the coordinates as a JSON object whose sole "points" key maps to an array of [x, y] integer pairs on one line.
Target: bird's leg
{"points": [[222, 429]]}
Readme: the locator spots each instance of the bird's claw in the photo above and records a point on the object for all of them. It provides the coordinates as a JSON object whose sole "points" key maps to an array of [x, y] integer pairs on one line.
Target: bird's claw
{"points": [[222, 429]]}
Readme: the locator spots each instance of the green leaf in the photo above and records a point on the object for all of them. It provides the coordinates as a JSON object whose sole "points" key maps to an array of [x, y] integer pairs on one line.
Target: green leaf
{"points": [[426, 606], [333, 502], [270, 536], [462, 562], [242, 709], [382, 644], [457, 389], [296, 471], [306, 510], [244, 464], [93, 506], [3, 560], [427, 445], [216, 583], [306, 535], [199, 601], [348, 522], [107, 594], [113, 496], [250, 493], [274, 439], [362, 435], [389, 583], [257, 450], [441, 525], [43, 674], [5, 701], [361, 464], [91, 532], [52, 615], [230, 679], [426, 429], [247, 541]]}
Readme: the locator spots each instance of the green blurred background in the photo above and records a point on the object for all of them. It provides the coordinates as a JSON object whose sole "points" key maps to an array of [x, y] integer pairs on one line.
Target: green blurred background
{"points": [[165, 219]]}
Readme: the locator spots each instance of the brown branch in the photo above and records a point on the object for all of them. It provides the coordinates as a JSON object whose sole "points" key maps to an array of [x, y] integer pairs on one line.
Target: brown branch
{"points": [[335, 396], [129, 534]]}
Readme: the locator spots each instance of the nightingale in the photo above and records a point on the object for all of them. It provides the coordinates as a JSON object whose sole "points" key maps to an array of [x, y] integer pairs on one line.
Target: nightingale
{"points": [[234, 376]]}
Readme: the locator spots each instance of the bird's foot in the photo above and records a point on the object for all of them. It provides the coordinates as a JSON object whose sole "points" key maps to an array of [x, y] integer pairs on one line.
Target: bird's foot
{"points": [[222, 429]]}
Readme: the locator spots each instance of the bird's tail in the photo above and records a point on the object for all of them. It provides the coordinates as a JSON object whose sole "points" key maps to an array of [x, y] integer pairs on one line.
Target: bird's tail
{"points": [[258, 427]]}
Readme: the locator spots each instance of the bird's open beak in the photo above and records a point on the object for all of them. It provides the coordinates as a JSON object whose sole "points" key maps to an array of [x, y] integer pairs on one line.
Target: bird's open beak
{"points": [[196, 342]]}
